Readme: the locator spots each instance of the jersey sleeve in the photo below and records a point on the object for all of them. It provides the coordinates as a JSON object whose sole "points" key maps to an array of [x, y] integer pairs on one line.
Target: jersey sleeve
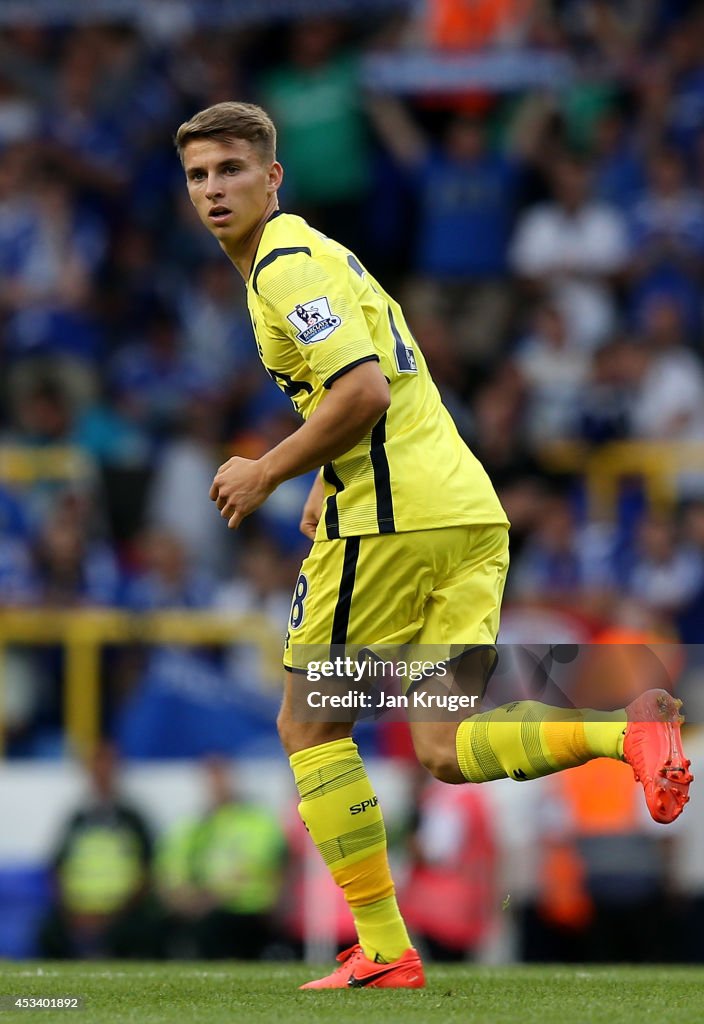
{"points": [[312, 301]]}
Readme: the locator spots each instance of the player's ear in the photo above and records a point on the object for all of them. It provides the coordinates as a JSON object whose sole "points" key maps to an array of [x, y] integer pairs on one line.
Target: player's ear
{"points": [[275, 176]]}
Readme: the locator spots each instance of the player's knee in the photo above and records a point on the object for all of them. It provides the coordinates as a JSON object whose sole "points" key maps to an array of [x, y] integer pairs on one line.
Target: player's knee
{"points": [[288, 732], [443, 766], [435, 749], [297, 736]]}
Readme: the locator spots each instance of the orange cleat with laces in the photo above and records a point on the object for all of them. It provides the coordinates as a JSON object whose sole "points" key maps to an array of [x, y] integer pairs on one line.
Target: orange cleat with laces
{"points": [[357, 971], [652, 746]]}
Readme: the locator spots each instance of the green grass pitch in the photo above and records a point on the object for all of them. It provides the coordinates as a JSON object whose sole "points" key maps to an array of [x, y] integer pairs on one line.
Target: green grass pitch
{"points": [[176, 993]]}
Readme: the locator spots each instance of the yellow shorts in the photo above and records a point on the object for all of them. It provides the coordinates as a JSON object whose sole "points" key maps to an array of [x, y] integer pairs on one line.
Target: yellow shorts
{"points": [[433, 587]]}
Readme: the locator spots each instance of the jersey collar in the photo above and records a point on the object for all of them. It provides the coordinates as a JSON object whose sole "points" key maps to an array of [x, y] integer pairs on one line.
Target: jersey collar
{"points": [[276, 213]]}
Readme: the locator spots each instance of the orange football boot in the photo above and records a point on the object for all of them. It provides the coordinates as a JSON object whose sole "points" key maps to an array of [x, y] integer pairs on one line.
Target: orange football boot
{"points": [[652, 745], [356, 971]]}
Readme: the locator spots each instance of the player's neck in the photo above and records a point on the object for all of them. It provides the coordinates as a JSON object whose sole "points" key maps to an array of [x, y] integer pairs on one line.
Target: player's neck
{"points": [[243, 252]]}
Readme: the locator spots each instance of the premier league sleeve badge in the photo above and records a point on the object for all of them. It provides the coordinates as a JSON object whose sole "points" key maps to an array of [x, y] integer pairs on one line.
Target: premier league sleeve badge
{"points": [[314, 321]]}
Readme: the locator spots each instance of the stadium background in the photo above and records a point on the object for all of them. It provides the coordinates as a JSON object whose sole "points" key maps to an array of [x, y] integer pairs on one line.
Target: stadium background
{"points": [[527, 179]]}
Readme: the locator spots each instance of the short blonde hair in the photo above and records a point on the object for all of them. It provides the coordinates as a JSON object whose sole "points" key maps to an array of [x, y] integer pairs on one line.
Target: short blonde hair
{"points": [[227, 122]]}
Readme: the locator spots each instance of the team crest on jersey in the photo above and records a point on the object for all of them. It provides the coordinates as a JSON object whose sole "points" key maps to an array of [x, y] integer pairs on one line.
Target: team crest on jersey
{"points": [[314, 321]]}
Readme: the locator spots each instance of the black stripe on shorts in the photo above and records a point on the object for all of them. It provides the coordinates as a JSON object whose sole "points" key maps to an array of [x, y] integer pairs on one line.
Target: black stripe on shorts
{"points": [[341, 618]]}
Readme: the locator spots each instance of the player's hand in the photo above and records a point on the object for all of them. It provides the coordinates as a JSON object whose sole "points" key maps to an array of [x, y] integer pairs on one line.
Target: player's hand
{"points": [[239, 487], [313, 509]]}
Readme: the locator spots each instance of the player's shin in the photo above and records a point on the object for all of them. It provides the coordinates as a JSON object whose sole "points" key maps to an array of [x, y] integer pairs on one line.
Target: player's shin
{"points": [[526, 740], [342, 814]]}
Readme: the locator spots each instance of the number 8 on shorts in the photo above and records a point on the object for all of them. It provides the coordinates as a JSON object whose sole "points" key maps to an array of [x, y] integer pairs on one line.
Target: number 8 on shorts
{"points": [[299, 596]]}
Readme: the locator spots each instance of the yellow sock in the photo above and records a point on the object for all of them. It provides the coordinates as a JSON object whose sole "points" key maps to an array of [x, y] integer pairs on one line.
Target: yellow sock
{"points": [[342, 814], [526, 740]]}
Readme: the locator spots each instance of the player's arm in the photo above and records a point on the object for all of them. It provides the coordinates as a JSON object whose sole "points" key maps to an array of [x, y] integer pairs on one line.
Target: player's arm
{"points": [[312, 510], [398, 130], [356, 401]]}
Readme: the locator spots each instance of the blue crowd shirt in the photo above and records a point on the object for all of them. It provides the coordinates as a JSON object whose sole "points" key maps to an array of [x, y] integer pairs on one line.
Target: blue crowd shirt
{"points": [[466, 214]]}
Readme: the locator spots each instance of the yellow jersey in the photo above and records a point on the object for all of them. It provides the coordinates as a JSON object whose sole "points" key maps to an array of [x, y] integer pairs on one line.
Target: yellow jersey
{"points": [[317, 313]]}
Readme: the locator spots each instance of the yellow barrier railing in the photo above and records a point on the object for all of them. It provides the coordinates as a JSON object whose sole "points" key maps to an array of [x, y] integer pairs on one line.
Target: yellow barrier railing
{"points": [[23, 465], [659, 464], [84, 632]]}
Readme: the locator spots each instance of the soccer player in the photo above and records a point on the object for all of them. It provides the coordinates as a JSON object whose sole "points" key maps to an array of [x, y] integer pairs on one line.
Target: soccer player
{"points": [[410, 541]]}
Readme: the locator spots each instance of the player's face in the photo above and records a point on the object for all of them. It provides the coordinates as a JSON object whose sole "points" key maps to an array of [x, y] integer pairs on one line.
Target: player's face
{"points": [[230, 186]]}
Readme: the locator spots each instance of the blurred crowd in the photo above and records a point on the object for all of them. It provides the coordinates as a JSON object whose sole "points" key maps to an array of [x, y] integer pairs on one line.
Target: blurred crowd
{"points": [[591, 881], [547, 245]]}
